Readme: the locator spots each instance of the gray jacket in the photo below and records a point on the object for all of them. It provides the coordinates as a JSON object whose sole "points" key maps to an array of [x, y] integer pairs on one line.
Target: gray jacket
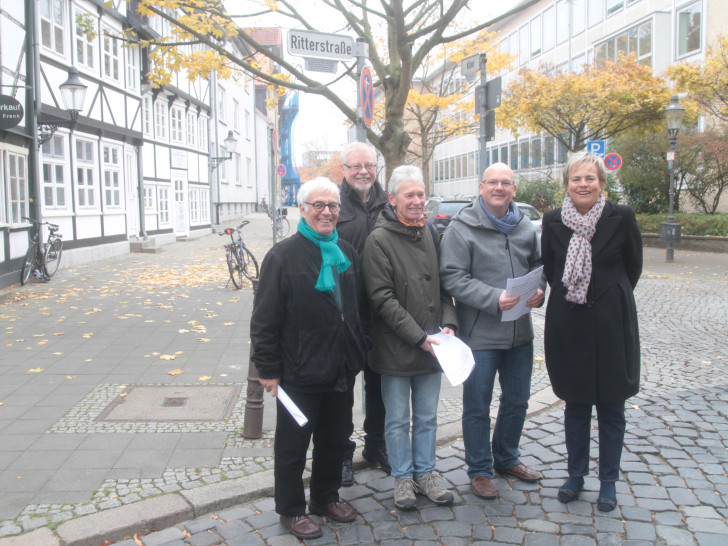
{"points": [[475, 262]]}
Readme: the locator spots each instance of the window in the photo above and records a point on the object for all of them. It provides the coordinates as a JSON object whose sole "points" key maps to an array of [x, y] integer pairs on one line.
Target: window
{"points": [[236, 115], [221, 104], [163, 206], [536, 36], [248, 171], [549, 29], [191, 129], [247, 125], [85, 173], [112, 176], [536, 152], [147, 115], [562, 22], [562, 153], [637, 40], [18, 181], [148, 198], [494, 155], [52, 27], [132, 67], [595, 11], [203, 133], [688, 29], [525, 155], [176, 115], [85, 54], [194, 206], [504, 154], [204, 206], [54, 173], [523, 51], [613, 6], [514, 156], [548, 156], [111, 56], [578, 16], [160, 119], [236, 158]]}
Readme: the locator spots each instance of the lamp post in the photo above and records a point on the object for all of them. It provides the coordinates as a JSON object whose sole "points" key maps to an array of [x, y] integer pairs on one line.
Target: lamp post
{"points": [[228, 145], [670, 230], [73, 93]]}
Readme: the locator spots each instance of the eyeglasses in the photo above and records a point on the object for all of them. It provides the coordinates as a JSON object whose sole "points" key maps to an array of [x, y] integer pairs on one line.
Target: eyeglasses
{"points": [[359, 167], [491, 183], [319, 206]]}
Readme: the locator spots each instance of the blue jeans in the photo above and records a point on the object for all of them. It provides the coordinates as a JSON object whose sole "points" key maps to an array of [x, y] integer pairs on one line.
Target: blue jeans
{"points": [[577, 420], [514, 367], [411, 456]]}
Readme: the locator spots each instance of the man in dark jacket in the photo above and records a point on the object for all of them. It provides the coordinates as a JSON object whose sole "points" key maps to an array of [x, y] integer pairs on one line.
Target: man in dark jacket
{"points": [[488, 242], [309, 336], [362, 199]]}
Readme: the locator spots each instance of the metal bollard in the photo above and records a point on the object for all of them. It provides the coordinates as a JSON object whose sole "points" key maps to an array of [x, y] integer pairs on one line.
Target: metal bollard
{"points": [[253, 419]]}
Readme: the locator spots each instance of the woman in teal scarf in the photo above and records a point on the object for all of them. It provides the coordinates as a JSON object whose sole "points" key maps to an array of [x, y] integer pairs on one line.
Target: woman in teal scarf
{"points": [[309, 336]]}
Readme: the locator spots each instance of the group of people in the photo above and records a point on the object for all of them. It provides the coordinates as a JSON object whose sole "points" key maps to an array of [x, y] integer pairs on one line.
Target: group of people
{"points": [[366, 283]]}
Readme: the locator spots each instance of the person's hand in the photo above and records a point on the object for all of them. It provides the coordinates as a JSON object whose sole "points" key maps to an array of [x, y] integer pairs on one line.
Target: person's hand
{"points": [[507, 302], [447, 330], [536, 300], [271, 385], [427, 345]]}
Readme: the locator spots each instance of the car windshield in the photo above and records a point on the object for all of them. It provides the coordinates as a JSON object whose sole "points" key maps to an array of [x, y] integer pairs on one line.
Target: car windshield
{"points": [[450, 208], [530, 213]]}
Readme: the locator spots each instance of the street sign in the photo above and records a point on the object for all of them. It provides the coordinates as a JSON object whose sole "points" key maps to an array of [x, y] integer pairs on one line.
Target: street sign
{"points": [[320, 65], [613, 162], [11, 112], [366, 88], [493, 93], [309, 43], [596, 147], [281, 170]]}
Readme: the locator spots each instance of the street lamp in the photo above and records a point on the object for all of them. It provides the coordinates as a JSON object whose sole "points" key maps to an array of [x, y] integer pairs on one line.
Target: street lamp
{"points": [[228, 145], [73, 93], [670, 230]]}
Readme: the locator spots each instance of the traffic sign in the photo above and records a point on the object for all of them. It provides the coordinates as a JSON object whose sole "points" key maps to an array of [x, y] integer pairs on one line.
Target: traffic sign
{"points": [[469, 66], [613, 162], [596, 147], [366, 88], [281, 170]]}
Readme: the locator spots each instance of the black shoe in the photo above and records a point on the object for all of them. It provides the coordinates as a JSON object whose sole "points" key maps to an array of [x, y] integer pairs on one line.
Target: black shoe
{"points": [[377, 457], [347, 474]]}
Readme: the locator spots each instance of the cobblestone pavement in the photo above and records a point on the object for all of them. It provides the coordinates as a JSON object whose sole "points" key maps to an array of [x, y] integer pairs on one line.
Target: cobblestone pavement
{"points": [[78, 343]]}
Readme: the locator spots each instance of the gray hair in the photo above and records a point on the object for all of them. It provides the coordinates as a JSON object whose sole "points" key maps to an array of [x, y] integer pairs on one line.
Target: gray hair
{"points": [[357, 147], [579, 158], [319, 184], [404, 173]]}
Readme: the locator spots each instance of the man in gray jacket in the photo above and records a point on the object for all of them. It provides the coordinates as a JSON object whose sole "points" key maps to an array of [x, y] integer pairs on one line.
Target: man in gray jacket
{"points": [[488, 242]]}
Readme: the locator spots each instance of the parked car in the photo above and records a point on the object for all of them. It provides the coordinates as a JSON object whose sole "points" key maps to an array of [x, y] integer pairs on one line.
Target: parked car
{"points": [[440, 210], [532, 214]]}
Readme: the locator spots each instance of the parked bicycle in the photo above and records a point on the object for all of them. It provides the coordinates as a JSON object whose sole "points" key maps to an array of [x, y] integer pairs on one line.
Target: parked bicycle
{"points": [[263, 206], [240, 259], [281, 223], [42, 260]]}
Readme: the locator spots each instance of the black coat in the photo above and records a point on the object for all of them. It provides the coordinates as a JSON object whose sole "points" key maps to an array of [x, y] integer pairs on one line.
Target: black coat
{"points": [[593, 350], [299, 334], [357, 219]]}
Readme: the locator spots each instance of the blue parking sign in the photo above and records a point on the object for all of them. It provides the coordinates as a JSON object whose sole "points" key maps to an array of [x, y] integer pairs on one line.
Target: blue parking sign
{"points": [[595, 147]]}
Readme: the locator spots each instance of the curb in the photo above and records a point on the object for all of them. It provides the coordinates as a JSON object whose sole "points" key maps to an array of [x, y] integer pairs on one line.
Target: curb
{"points": [[165, 511]]}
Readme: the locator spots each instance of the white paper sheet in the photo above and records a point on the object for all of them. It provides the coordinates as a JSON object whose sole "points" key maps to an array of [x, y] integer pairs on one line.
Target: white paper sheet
{"points": [[455, 357], [525, 287], [291, 406]]}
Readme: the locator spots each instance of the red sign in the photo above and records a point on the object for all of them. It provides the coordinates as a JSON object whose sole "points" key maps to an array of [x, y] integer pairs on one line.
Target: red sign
{"points": [[367, 95], [281, 169], [612, 161]]}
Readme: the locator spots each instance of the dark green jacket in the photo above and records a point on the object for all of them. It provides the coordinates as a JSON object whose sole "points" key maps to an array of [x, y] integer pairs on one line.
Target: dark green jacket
{"points": [[403, 285]]}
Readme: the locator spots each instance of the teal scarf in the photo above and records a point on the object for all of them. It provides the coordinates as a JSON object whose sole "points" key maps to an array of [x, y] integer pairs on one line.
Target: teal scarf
{"points": [[331, 255]]}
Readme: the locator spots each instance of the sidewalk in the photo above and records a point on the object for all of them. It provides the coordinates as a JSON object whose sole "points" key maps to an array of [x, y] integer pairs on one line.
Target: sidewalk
{"points": [[78, 470]]}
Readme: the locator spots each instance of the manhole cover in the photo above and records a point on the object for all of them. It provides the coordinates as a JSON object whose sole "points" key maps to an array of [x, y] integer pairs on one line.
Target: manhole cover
{"points": [[173, 403]]}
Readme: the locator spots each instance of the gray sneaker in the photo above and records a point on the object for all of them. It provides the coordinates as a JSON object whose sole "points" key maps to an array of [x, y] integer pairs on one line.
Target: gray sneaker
{"points": [[404, 493], [429, 484]]}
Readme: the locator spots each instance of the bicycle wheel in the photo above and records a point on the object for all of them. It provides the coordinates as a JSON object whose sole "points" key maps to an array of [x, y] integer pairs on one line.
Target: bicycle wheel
{"points": [[250, 264], [235, 266], [52, 257], [27, 265], [283, 227]]}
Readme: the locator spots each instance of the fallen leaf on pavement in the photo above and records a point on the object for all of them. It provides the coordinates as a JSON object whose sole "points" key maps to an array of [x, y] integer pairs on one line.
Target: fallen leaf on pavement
{"points": [[204, 378], [175, 372], [167, 357], [35, 370]]}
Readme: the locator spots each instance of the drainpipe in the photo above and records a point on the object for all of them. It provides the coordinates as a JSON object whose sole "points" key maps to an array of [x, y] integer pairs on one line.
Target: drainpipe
{"points": [[140, 185], [32, 104], [212, 151]]}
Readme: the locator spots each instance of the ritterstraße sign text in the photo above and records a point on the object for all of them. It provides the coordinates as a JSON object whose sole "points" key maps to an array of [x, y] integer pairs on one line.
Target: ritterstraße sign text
{"points": [[307, 43]]}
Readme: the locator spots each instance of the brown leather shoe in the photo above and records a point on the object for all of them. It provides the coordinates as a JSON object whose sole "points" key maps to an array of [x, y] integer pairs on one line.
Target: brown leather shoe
{"points": [[483, 487], [340, 510], [522, 472], [301, 526]]}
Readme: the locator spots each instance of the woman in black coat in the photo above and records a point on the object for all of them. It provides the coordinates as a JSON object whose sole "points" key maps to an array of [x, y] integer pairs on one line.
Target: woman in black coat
{"points": [[592, 256]]}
